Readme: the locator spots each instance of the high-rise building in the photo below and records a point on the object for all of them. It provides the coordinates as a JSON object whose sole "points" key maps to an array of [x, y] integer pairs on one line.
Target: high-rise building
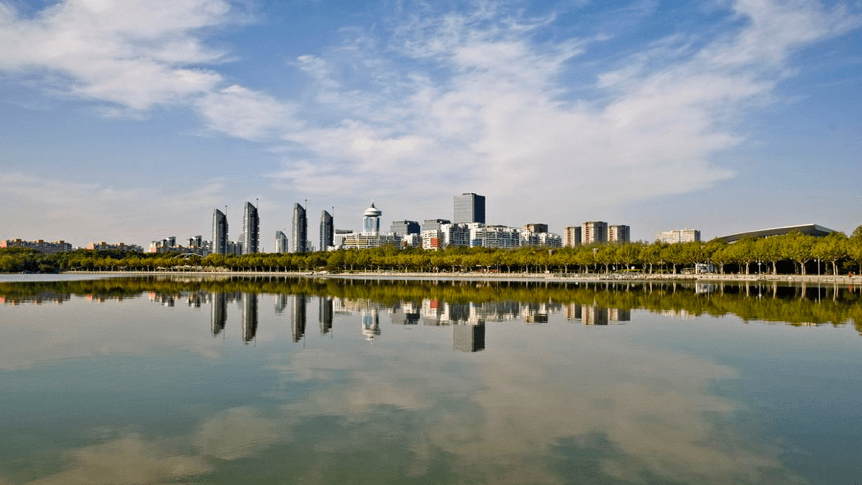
{"points": [[403, 228], [298, 243], [678, 236], [327, 231], [469, 207], [433, 224], [219, 232], [594, 232], [572, 237], [250, 229], [619, 234], [371, 220], [280, 242], [371, 237], [537, 228]]}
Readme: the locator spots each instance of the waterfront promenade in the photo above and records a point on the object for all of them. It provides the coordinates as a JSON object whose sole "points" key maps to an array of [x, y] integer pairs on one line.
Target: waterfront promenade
{"points": [[532, 277]]}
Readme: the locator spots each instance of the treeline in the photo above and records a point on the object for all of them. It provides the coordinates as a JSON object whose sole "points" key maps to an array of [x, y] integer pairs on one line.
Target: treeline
{"points": [[751, 302], [794, 253]]}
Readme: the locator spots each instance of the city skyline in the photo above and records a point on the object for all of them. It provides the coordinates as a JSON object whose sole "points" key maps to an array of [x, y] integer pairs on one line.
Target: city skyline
{"points": [[151, 114]]}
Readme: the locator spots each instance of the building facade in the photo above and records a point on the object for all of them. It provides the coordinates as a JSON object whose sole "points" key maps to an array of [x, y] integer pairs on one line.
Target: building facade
{"points": [[469, 207], [371, 237], [538, 228], [250, 229], [299, 230], [494, 236], [404, 227], [280, 242], [327, 231], [433, 224], [572, 237], [594, 232], [39, 245], [619, 234], [220, 229], [541, 239], [678, 236]]}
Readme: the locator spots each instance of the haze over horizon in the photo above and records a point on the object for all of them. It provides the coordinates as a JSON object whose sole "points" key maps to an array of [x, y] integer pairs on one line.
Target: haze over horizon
{"points": [[131, 121]]}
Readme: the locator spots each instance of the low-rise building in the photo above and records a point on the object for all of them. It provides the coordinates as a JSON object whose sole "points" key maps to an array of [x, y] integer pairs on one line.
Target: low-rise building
{"points": [[39, 245], [103, 246], [678, 236]]}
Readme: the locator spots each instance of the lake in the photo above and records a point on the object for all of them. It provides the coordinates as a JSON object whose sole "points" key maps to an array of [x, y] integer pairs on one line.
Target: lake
{"points": [[153, 380]]}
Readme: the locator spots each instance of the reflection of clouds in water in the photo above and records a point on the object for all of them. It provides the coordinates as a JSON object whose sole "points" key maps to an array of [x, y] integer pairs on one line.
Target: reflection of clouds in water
{"points": [[235, 433], [653, 407], [83, 329], [128, 460]]}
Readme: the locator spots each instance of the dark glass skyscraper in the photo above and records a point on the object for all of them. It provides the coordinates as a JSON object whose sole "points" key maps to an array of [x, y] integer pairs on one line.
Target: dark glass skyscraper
{"points": [[469, 207], [327, 231], [250, 229], [280, 242], [300, 230], [219, 232]]}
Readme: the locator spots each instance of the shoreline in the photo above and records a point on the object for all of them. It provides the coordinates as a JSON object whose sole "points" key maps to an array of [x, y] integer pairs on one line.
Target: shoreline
{"points": [[510, 277]]}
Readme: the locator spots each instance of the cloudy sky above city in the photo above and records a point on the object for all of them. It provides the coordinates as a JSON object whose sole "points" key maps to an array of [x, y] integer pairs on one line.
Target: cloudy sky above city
{"points": [[132, 120]]}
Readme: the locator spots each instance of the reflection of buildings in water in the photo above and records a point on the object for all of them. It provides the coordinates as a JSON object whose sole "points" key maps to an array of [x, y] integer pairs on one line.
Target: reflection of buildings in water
{"points": [[249, 316], [573, 311], [593, 315], [194, 300], [681, 314], [404, 313], [218, 315], [534, 312], [298, 317], [38, 299], [468, 337], [280, 303], [619, 315], [370, 324], [325, 314], [431, 312]]}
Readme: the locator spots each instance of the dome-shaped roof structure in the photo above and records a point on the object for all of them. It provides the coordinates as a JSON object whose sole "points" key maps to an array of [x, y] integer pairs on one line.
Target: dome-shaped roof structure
{"points": [[372, 211]]}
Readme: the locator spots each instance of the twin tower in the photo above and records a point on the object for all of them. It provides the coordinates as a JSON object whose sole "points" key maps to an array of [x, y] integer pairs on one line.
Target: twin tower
{"points": [[249, 242]]}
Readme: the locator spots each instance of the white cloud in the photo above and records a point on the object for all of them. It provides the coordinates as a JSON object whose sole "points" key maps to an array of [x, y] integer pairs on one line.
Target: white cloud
{"points": [[81, 213], [244, 113], [486, 107]]}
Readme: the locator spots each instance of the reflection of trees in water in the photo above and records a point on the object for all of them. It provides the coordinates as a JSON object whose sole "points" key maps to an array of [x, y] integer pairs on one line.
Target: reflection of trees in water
{"points": [[771, 301]]}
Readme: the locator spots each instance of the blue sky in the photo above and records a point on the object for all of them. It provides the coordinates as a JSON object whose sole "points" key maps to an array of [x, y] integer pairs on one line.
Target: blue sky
{"points": [[131, 121]]}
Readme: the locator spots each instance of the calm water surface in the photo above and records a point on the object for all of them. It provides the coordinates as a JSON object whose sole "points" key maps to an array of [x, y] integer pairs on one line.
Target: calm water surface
{"points": [[151, 381]]}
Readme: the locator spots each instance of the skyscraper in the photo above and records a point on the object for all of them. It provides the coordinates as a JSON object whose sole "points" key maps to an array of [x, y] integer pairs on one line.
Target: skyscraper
{"points": [[280, 242], [327, 231], [469, 207], [619, 234], [219, 232], [250, 229], [594, 232], [300, 230]]}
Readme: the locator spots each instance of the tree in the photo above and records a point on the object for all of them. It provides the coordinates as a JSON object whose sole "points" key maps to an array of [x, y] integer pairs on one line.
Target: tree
{"points": [[832, 248], [798, 248]]}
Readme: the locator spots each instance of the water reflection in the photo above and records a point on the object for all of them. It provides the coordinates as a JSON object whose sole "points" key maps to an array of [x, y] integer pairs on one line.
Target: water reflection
{"points": [[545, 402], [297, 317], [249, 316]]}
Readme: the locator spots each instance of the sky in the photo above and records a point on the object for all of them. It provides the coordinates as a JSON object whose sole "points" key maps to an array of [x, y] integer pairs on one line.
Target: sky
{"points": [[132, 120]]}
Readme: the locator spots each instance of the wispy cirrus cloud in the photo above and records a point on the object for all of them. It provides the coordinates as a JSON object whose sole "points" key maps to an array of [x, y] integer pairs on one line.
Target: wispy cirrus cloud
{"points": [[136, 55], [485, 104]]}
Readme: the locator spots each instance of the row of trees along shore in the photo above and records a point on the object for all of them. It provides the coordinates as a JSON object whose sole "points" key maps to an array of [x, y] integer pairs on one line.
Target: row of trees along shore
{"points": [[794, 253]]}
